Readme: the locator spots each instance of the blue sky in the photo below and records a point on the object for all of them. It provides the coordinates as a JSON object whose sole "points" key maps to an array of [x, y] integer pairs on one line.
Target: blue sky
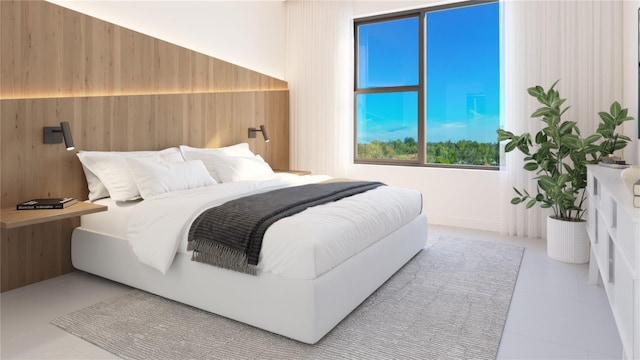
{"points": [[463, 76]]}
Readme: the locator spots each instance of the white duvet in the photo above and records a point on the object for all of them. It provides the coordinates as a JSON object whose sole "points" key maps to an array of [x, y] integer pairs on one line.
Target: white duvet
{"points": [[302, 246]]}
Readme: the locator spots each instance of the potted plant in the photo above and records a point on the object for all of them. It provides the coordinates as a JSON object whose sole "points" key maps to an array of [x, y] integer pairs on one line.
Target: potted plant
{"points": [[558, 154]]}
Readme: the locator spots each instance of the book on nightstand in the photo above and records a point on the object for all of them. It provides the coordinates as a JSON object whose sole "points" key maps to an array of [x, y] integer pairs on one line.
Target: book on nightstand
{"points": [[52, 203]]}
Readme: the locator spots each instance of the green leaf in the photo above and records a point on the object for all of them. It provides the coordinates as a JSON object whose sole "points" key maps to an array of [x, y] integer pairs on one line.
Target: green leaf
{"points": [[615, 108], [607, 119], [592, 138], [557, 102], [523, 147], [516, 201], [562, 180], [536, 91], [546, 183], [572, 141], [624, 137], [620, 145], [531, 203], [510, 146], [542, 112], [566, 127], [531, 166], [606, 133], [504, 135]]}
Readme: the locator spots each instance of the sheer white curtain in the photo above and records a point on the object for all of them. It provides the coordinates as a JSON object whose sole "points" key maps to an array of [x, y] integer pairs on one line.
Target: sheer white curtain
{"points": [[577, 42], [320, 75]]}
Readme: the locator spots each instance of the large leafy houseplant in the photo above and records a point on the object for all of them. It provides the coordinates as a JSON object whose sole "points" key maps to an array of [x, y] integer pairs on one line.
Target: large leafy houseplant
{"points": [[559, 154]]}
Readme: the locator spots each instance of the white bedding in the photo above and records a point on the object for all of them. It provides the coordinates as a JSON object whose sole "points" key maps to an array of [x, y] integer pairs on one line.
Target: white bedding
{"points": [[113, 222], [303, 246]]}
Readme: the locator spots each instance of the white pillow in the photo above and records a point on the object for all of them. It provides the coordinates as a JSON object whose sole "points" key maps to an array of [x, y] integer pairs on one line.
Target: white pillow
{"points": [[240, 168], [97, 190], [210, 162], [113, 173], [153, 176]]}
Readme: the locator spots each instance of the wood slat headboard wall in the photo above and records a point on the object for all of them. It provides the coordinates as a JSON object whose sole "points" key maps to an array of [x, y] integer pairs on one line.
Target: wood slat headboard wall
{"points": [[51, 51], [127, 123], [120, 90]]}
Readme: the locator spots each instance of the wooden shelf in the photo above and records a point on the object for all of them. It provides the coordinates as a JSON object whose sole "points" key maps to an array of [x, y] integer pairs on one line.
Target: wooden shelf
{"points": [[296, 172], [12, 218]]}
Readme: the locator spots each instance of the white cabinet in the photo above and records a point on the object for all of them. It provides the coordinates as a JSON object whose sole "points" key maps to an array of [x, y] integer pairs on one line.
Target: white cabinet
{"points": [[613, 225]]}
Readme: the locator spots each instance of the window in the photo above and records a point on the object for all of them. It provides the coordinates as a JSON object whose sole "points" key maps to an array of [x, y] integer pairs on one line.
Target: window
{"points": [[427, 87]]}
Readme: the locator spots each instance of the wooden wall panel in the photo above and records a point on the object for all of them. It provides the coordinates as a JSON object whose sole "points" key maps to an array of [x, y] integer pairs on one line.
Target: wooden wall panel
{"points": [[34, 253], [51, 51], [119, 90], [31, 168]]}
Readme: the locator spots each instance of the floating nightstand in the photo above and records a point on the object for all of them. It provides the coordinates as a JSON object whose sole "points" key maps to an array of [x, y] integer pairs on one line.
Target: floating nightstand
{"points": [[295, 172], [12, 218]]}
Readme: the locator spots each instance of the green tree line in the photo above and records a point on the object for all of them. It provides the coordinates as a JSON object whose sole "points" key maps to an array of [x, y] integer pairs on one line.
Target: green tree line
{"points": [[464, 152]]}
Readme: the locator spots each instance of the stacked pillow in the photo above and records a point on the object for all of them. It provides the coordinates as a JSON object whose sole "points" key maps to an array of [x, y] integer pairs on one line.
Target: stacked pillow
{"points": [[231, 163], [132, 175]]}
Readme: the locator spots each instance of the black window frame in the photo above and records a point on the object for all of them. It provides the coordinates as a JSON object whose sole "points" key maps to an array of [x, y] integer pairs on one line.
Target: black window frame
{"points": [[420, 88]]}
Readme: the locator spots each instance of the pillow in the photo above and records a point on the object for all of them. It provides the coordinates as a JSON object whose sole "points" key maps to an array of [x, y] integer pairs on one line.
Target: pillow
{"points": [[154, 176], [210, 162], [240, 168], [97, 190], [113, 173]]}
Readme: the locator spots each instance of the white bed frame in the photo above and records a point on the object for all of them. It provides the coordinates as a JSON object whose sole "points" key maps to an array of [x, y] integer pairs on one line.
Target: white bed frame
{"points": [[304, 310]]}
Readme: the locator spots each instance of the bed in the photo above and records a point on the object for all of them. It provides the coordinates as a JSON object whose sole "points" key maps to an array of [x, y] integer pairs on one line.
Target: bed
{"points": [[315, 267]]}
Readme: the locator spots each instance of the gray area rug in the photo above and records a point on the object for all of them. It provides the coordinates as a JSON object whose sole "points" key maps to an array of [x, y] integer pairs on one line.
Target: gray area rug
{"points": [[449, 302]]}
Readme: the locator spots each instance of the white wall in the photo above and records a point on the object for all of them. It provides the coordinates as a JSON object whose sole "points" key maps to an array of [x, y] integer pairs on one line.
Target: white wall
{"points": [[454, 197], [246, 33]]}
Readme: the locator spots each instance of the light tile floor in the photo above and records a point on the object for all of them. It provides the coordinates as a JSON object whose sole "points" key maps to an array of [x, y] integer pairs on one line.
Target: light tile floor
{"points": [[555, 313]]}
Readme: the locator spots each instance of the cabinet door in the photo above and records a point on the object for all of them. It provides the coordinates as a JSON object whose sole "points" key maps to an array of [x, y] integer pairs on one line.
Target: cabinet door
{"points": [[607, 206], [627, 237], [592, 222], [601, 248], [623, 295]]}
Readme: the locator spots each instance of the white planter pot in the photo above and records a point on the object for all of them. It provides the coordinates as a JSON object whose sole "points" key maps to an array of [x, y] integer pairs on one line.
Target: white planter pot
{"points": [[567, 241]]}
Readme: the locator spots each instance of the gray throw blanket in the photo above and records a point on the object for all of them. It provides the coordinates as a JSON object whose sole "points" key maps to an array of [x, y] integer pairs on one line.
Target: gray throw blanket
{"points": [[230, 235]]}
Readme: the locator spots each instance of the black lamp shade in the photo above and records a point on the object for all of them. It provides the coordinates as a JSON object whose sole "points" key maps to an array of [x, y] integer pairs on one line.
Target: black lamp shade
{"points": [[264, 133], [263, 130], [55, 135], [66, 134]]}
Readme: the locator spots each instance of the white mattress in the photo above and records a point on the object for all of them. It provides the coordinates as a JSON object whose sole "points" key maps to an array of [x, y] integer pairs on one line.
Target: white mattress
{"points": [[303, 246]]}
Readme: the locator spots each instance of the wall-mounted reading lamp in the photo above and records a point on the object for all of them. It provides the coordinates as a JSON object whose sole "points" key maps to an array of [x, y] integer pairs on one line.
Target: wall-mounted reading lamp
{"points": [[55, 134], [263, 130]]}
